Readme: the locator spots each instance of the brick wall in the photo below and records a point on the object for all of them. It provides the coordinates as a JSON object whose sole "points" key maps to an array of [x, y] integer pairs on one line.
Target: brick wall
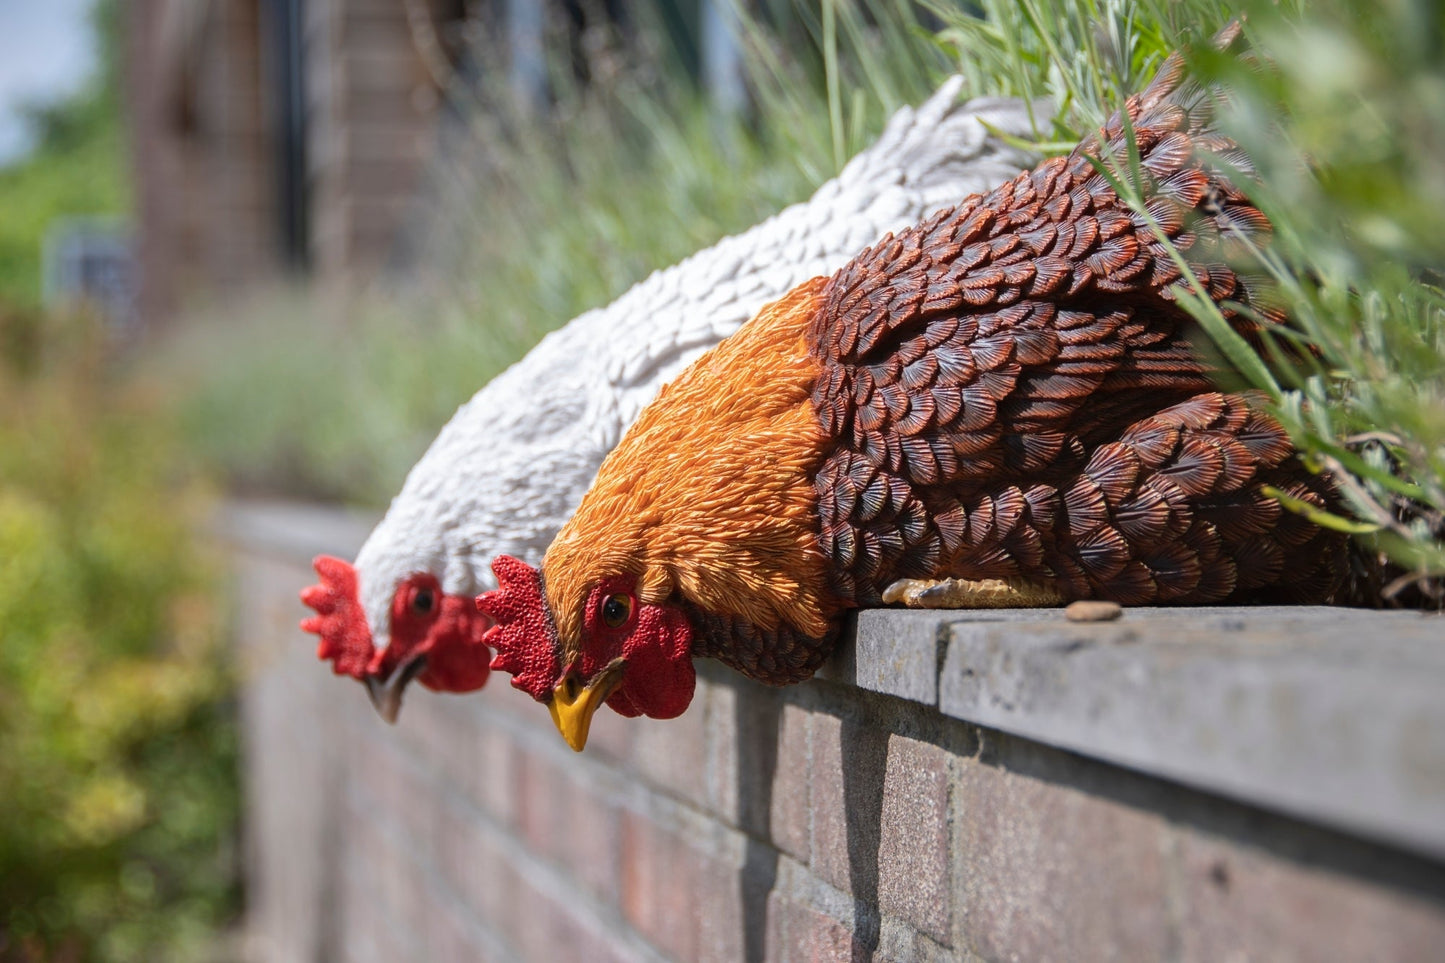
{"points": [[202, 150], [371, 106], [832, 821], [204, 94]]}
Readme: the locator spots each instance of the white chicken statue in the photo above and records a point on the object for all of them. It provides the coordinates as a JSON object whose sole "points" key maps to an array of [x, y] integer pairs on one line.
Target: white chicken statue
{"points": [[513, 463]]}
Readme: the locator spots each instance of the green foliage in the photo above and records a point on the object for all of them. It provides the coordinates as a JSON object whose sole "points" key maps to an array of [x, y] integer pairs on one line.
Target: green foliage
{"points": [[117, 746], [1344, 120], [286, 396], [1081, 58], [77, 168], [1340, 105]]}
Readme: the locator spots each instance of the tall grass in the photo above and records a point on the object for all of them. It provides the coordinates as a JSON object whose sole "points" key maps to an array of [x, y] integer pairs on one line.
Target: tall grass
{"points": [[544, 215], [1344, 119], [1340, 105]]}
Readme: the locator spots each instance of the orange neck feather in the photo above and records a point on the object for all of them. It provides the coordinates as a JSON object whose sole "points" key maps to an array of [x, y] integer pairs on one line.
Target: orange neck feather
{"points": [[709, 495]]}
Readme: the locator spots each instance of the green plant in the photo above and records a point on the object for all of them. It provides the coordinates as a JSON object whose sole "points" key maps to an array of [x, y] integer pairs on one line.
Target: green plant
{"points": [[1340, 106], [76, 168], [117, 737], [1343, 116], [117, 746]]}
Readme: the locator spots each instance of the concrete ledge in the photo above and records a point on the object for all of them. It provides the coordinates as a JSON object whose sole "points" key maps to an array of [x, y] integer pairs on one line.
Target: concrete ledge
{"points": [[1333, 715]]}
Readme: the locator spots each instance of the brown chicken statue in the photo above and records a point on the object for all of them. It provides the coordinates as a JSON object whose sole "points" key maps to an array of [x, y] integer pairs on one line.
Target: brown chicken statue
{"points": [[1000, 406]]}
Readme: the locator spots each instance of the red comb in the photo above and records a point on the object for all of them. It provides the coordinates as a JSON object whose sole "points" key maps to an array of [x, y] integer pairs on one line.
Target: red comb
{"points": [[524, 637], [339, 618]]}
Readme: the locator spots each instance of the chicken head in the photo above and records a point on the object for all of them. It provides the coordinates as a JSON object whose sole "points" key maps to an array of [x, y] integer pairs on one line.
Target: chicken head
{"points": [[436, 638]]}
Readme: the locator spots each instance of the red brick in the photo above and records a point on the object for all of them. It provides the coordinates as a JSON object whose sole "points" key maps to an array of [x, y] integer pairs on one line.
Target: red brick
{"points": [[913, 864], [424, 726], [720, 911], [544, 929], [541, 795], [672, 753], [1244, 904], [744, 727], [493, 771], [501, 697], [373, 867], [376, 898], [421, 887], [353, 11], [416, 818], [437, 728], [790, 810], [521, 913], [357, 73], [660, 886], [500, 903], [1049, 872], [471, 862], [387, 34], [828, 846], [725, 764], [447, 937], [392, 784], [776, 934], [801, 934], [610, 737], [369, 939], [589, 839], [827, 940], [848, 770]]}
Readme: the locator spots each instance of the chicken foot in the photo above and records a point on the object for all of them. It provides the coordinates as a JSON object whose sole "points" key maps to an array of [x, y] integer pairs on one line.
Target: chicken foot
{"points": [[987, 593]]}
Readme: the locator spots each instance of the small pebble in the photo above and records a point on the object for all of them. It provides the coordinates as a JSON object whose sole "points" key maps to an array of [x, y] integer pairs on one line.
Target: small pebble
{"points": [[1091, 611]]}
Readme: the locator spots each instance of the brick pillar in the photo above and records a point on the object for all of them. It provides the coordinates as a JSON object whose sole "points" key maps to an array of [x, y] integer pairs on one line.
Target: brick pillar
{"points": [[371, 110]]}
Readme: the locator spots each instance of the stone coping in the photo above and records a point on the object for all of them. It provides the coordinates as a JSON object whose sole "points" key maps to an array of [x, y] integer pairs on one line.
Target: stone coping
{"points": [[1333, 715], [1336, 716]]}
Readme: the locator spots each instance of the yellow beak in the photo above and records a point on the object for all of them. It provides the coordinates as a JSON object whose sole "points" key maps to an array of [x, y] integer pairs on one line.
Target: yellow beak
{"points": [[573, 705]]}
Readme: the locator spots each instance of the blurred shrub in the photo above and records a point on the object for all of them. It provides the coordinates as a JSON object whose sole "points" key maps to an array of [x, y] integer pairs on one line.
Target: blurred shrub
{"points": [[287, 396], [77, 167], [117, 742]]}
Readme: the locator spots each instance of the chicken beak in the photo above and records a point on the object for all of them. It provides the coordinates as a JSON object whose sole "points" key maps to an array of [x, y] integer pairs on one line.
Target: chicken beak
{"points": [[386, 695], [573, 705]]}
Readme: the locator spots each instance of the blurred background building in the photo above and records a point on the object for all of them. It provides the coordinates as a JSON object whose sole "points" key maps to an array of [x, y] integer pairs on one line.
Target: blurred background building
{"points": [[273, 136], [277, 137]]}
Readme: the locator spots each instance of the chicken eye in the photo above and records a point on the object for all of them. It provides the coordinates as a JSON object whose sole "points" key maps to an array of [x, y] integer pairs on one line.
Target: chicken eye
{"points": [[616, 610], [423, 601]]}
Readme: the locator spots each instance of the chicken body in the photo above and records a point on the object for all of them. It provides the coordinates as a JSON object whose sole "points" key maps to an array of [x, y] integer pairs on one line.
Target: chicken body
{"points": [[1004, 391], [513, 463]]}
